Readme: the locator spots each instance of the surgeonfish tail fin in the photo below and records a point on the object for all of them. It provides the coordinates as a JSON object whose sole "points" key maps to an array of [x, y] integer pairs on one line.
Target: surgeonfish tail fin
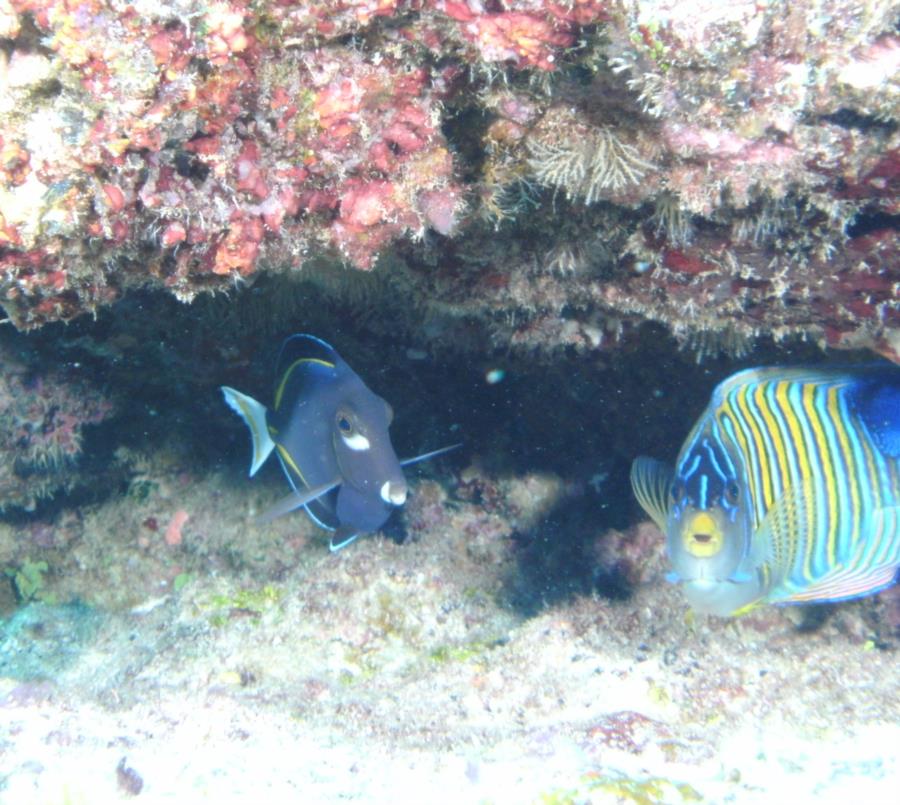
{"points": [[254, 414]]}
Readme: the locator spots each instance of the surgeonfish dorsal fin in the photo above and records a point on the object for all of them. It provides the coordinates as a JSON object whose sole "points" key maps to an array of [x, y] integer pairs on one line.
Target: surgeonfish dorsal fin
{"points": [[306, 360], [254, 414], [651, 481], [874, 566], [878, 404], [307, 348]]}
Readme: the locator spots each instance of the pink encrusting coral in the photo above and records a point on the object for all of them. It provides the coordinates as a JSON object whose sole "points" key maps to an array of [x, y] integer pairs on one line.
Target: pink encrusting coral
{"points": [[188, 146], [42, 417], [526, 33], [729, 149]]}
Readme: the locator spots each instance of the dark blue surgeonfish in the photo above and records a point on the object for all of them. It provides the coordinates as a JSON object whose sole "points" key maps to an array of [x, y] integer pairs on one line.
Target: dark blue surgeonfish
{"points": [[330, 433], [787, 490]]}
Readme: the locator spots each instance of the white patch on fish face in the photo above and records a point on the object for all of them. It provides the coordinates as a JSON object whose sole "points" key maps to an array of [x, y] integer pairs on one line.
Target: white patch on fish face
{"points": [[393, 496], [351, 435], [356, 442]]}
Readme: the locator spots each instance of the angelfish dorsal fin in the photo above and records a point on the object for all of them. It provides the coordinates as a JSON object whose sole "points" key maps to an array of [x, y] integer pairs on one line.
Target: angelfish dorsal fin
{"points": [[651, 480], [879, 408]]}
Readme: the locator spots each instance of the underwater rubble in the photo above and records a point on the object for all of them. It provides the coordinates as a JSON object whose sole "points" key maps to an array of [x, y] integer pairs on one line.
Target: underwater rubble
{"points": [[240, 659]]}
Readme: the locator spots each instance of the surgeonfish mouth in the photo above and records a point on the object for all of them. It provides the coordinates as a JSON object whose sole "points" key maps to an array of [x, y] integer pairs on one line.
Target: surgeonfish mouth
{"points": [[329, 432], [786, 490]]}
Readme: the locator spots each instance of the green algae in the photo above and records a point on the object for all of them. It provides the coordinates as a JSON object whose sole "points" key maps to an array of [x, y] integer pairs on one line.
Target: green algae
{"points": [[465, 652], [28, 580], [623, 789], [224, 607]]}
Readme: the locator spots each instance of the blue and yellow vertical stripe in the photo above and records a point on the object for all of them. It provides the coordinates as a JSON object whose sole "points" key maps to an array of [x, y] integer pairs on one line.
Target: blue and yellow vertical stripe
{"points": [[821, 489]]}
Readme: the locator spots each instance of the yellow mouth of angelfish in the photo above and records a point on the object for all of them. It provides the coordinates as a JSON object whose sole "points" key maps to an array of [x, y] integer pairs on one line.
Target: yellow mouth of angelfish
{"points": [[702, 536]]}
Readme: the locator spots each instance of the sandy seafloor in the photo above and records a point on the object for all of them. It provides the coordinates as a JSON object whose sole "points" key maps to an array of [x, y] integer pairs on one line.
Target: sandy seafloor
{"points": [[388, 672]]}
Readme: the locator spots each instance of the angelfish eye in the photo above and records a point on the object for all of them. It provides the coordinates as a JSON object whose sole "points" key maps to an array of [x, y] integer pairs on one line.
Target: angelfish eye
{"points": [[676, 493], [732, 492], [344, 424]]}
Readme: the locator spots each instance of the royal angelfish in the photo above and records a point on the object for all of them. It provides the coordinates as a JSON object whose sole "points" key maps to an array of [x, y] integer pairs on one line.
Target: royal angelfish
{"points": [[330, 433], [787, 490]]}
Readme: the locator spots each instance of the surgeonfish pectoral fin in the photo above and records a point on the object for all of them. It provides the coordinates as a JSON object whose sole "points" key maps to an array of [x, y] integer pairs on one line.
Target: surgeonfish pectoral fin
{"points": [[294, 501], [651, 480], [254, 414], [425, 456], [342, 538]]}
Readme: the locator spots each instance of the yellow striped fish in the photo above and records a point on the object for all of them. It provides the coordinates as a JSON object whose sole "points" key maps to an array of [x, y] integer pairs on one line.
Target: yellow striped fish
{"points": [[786, 490]]}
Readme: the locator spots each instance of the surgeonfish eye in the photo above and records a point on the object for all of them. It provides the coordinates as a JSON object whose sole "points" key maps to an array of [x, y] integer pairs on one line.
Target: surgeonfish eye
{"points": [[350, 433]]}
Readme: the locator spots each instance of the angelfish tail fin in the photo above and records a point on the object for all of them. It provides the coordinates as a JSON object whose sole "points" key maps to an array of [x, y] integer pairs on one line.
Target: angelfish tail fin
{"points": [[254, 414]]}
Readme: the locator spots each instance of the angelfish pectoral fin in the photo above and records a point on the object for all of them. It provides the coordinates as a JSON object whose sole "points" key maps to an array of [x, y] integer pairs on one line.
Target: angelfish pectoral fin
{"points": [[294, 501], [425, 456], [342, 538]]}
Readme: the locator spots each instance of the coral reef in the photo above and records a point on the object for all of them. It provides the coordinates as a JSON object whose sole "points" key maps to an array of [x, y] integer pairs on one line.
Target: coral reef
{"points": [[183, 144], [726, 170], [531, 221]]}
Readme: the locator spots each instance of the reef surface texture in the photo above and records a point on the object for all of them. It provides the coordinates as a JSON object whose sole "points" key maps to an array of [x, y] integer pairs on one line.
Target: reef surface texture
{"points": [[544, 229], [729, 169], [394, 668]]}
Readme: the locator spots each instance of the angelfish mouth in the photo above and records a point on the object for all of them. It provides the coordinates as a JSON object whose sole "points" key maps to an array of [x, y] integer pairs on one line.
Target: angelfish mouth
{"points": [[702, 538]]}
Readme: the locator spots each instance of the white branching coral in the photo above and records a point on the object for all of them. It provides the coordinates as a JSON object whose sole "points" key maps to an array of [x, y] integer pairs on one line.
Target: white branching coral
{"points": [[671, 221], [587, 168]]}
